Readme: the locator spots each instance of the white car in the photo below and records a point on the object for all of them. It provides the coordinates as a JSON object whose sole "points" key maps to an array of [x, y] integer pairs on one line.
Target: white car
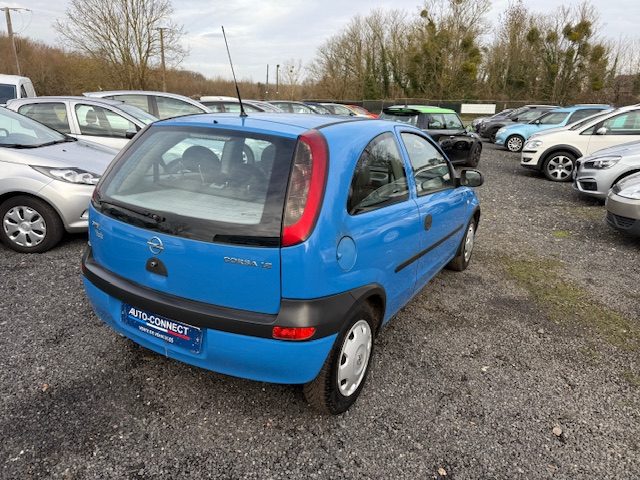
{"points": [[107, 122], [15, 86], [159, 104], [554, 153]]}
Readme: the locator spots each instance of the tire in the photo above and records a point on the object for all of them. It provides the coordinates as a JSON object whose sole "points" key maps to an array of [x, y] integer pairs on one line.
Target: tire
{"points": [[29, 225], [492, 136], [559, 166], [324, 393], [514, 143], [461, 261], [474, 155]]}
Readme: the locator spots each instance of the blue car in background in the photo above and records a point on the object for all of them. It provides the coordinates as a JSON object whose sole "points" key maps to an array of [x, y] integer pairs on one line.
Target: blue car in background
{"points": [[274, 247], [514, 136]]}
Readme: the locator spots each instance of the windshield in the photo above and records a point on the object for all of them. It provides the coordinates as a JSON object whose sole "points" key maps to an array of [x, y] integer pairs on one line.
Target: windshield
{"points": [[338, 109], [201, 183], [553, 118], [530, 115], [138, 113], [18, 131], [7, 92], [590, 119]]}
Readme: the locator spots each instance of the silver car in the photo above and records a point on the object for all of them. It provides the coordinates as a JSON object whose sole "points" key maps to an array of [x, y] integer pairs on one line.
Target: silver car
{"points": [[159, 104], [623, 205], [107, 122], [597, 173], [46, 182]]}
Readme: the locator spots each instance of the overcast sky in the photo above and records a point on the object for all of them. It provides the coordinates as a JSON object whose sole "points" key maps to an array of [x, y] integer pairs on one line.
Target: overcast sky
{"points": [[273, 31]]}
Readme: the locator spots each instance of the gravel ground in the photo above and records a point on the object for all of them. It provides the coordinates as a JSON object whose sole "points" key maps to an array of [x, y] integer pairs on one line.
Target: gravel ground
{"points": [[524, 366]]}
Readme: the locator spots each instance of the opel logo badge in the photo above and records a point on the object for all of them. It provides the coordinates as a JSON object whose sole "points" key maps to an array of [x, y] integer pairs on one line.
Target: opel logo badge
{"points": [[155, 245]]}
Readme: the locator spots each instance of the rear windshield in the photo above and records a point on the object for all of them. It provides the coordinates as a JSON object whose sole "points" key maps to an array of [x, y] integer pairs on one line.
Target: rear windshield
{"points": [[410, 118], [7, 92], [201, 183]]}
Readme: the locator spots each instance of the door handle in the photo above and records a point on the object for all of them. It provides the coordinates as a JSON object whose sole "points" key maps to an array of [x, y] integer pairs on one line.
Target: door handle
{"points": [[428, 221]]}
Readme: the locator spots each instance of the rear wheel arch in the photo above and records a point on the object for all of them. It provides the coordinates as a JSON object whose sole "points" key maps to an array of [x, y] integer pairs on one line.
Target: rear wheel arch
{"points": [[377, 303]]}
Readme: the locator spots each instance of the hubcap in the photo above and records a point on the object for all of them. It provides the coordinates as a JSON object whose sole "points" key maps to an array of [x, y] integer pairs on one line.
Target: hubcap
{"points": [[468, 243], [560, 167], [514, 144], [354, 357], [24, 226]]}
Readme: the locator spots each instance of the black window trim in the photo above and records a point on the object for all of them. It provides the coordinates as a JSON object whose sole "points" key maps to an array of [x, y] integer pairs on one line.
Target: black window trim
{"points": [[452, 172], [386, 203]]}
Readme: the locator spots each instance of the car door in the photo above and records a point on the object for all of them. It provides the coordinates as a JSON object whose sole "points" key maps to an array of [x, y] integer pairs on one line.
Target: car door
{"points": [[383, 219], [442, 206], [621, 128], [101, 125], [452, 137]]}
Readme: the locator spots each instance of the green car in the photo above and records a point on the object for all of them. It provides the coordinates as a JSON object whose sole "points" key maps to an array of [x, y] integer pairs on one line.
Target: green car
{"points": [[444, 126]]}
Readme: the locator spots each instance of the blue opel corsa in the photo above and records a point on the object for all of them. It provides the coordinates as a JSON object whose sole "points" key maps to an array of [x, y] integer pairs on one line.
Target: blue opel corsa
{"points": [[274, 247]]}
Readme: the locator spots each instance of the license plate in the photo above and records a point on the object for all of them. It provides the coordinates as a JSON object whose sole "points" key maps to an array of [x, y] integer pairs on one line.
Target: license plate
{"points": [[178, 334]]}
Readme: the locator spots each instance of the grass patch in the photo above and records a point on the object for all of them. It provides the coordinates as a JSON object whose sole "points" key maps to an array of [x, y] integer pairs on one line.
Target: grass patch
{"points": [[561, 233], [631, 378], [565, 301]]}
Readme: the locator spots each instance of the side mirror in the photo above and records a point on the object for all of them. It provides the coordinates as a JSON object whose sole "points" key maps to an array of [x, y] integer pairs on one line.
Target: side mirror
{"points": [[515, 119], [537, 122], [470, 178], [130, 134], [601, 131]]}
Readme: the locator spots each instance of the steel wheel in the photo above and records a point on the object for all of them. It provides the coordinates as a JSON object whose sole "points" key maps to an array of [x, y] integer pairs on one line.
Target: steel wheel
{"points": [[24, 226], [515, 143], [559, 168], [354, 357], [468, 242]]}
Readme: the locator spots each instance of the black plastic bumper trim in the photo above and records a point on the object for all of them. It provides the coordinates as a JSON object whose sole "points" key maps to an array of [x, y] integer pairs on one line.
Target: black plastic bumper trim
{"points": [[326, 314]]}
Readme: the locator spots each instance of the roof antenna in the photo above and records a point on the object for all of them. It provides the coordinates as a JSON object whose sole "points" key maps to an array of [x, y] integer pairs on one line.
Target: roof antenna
{"points": [[242, 112]]}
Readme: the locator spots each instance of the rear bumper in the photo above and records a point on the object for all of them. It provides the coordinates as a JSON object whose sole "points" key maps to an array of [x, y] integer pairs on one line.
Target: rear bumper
{"points": [[235, 342], [243, 356]]}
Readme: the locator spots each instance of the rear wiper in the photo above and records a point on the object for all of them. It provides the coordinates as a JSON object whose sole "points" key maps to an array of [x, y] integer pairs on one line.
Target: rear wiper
{"points": [[142, 213]]}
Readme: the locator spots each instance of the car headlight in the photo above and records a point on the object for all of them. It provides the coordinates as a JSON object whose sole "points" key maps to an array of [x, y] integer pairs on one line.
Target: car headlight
{"points": [[532, 144], [632, 192], [70, 175], [601, 162]]}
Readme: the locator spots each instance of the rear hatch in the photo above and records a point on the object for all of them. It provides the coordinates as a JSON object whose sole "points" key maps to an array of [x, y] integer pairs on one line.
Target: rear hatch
{"points": [[207, 204]]}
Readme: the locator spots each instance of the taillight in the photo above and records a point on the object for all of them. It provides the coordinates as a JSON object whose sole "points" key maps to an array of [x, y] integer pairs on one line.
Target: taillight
{"points": [[306, 188], [293, 333]]}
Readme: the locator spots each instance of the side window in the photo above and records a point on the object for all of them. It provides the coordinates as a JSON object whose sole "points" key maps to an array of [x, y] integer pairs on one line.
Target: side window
{"points": [[430, 169], [140, 101], [101, 122], [626, 124], [53, 115], [172, 107], [379, 178], [23, 92]]}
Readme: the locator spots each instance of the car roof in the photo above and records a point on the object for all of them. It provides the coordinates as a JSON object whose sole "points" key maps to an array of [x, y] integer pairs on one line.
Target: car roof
{"points": [[106, 93], [217, 98], [419, 109], [285, 123], [575, 108], [61, 98]]}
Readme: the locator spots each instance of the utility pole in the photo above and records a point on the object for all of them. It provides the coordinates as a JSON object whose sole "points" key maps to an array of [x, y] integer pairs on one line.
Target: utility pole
{"points": [[162, 64], [7, 14], [278, 80], [266, 93]]}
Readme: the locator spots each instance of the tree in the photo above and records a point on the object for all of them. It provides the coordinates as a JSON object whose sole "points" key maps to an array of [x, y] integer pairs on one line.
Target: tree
{"points": [[124, 34]]}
